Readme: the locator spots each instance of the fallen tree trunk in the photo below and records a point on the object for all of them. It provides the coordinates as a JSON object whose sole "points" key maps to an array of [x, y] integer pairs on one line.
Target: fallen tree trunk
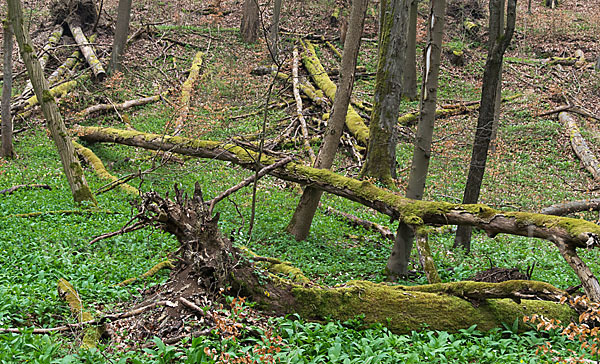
{"points": [[354, 122], [212, 261], [44, 56], [186, 92], [92, 334], [88, 52], [571, 207], [573, 233], [579, 145], [119, 107]]}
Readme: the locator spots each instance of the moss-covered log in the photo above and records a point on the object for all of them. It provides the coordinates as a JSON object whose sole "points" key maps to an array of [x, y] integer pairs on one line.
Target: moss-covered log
{"points": [[212, 261], [354, 122], [165, 264], [45, 55], [574, 233], [91, 335], [92, 159], [186, 92], [119, 107]]}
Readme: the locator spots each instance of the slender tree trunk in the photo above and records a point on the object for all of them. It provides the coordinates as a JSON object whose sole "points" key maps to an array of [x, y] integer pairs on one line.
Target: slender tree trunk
{"points": [[79, 188], [491, 77], [381, 152], [121, 31], [274, 36], [409, 87], [299, 225], [249, 26], [498, 103], [7, 125], [398, 261]]}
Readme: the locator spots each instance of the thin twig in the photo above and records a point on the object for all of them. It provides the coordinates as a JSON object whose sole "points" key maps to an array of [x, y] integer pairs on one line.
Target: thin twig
{"points": [[247, 181]]}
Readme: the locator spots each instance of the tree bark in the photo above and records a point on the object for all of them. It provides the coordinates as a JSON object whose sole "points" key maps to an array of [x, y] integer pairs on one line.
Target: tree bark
{"points": [[249, 25], [121, 31], [7, 124], [73, 171], [398, 261], [579, 145], [301, 221], [491, 77], [409, 86], [380, 161], [498, 102], [274, 36], [52, 40]]}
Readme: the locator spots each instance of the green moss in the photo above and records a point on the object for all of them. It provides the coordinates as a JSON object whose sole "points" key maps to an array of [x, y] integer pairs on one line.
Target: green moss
{"points": [[27, 48], [403, 310], [47, 96]]}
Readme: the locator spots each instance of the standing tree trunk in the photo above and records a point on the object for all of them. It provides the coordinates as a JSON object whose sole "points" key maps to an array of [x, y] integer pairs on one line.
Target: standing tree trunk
{"points": [[498, 103], [299, 225], [491, 78], [120, 39], [398, 261], [79, 188], [274, 36], [249, 26], [381, 152], [7, 125], [409, 87]]}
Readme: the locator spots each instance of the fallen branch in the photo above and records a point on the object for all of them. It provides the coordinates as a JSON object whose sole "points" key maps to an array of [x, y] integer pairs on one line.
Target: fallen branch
{"points": [[10, 190], [579, 145], [248, 181], [123, 230], [102, 320], [59, 212], [88, 52], [120, 107], [305, 139], [571, 207], [574, 233], [449, 110], [186, 92], [369, 225], [152, 271]]}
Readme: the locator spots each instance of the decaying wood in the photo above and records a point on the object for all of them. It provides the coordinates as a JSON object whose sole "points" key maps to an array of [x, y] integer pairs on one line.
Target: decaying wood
{"points": [[579, 145], [103, 319], [354, 122], [447, 306], [166, 264], [571, 207], [91, 335], [68, 65], [119, 107], [88, 52], [12, 189], [92, 159], [121, 231], [186, 93], [573, 233], [305, 140], [449, 110], [356, 221]]}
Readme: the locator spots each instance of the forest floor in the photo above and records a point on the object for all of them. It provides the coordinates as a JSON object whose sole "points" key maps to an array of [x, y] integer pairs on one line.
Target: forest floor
{"points": [[532, 167]]}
